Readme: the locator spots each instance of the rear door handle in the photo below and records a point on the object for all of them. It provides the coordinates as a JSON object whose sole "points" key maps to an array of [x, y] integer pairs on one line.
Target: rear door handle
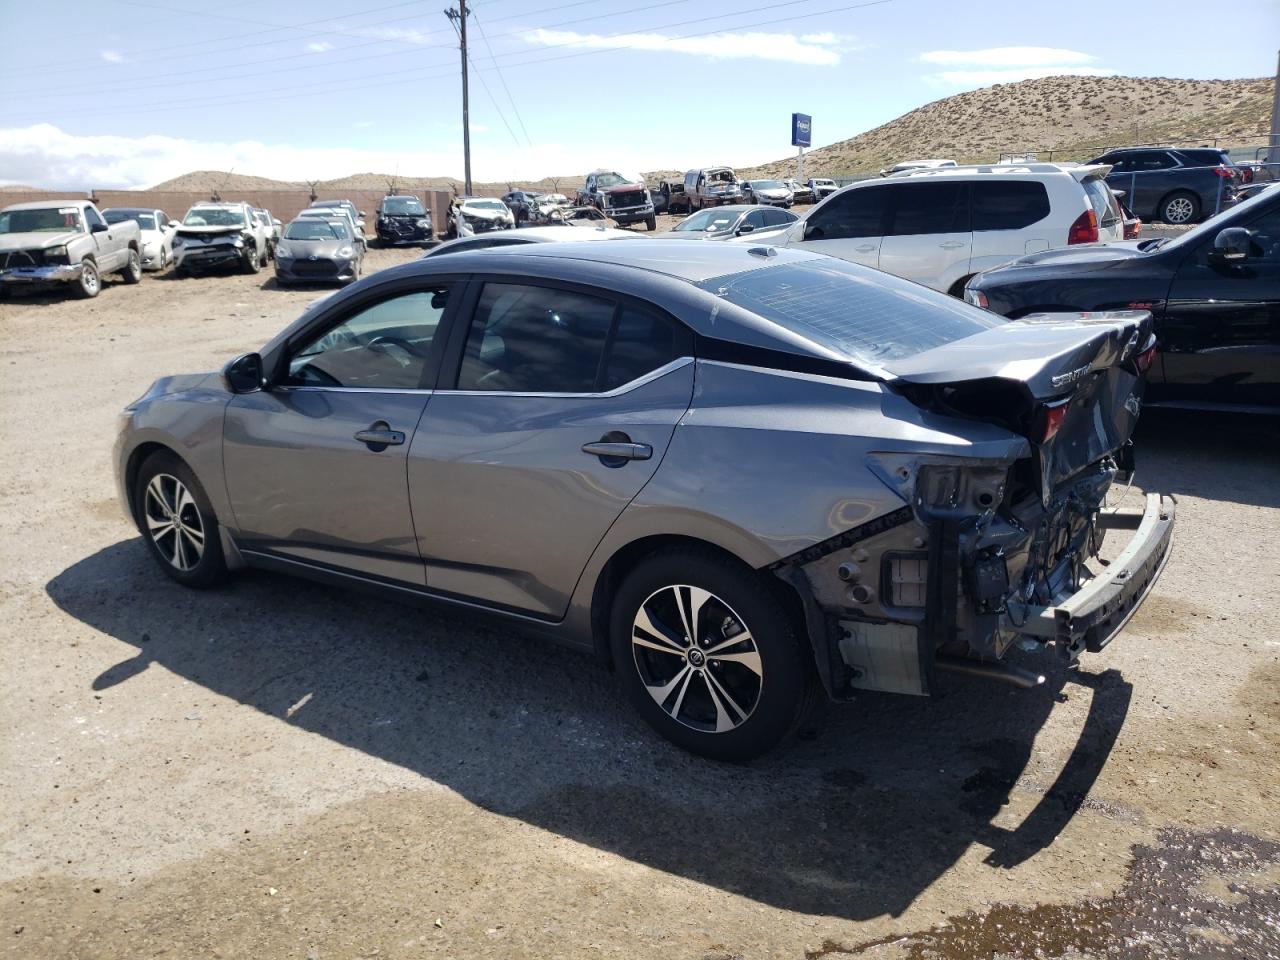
{"points": [[618, 450], [380, 435], [952, 244], [865, 248]]}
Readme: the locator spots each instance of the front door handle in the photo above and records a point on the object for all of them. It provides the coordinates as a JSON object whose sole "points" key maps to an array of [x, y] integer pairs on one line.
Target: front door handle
{"points": [[613, 450], [379, 436], [866, 248], [952, 244]]}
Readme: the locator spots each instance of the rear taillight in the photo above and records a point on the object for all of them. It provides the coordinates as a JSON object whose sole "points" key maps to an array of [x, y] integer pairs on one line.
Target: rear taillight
{"points": [[1145, 359], [1246, 174], [977, 298], [1133, 229], [1049, 420], [1225, 172], [1085, 229]]}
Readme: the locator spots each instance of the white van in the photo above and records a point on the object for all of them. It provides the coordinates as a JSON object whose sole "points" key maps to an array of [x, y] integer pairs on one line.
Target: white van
{"points": [[941, 226]]}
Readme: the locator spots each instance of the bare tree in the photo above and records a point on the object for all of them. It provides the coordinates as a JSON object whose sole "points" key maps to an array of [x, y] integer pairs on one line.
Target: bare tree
{"points": [[312, 184]]}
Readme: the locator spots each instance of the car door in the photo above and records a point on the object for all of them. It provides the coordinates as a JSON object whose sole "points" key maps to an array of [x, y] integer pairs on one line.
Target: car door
{"points": [[563, 400], [109, 242], [1220, 330], [755, 220], [1010, 218], [315, 466], [928, 237], [848, 225]]}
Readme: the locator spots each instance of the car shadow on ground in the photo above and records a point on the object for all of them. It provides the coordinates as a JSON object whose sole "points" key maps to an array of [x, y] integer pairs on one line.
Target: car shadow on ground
{"points": [[1212, 456], [854, 820]]}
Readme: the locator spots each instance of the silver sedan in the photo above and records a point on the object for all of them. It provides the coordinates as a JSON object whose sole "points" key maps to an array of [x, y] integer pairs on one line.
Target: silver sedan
{"points": [[744, 477]]}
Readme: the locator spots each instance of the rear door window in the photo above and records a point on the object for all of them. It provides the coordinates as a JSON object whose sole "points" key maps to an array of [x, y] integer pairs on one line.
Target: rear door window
{"points": [[924, 208], [1103, 202], [1152, 160], [854, 213], [643, 341], [1008, 204]]}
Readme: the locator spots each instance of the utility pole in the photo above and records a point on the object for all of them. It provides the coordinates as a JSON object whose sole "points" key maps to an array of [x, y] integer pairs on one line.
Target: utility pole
{"points": [[1273, 153], [459, 17]]}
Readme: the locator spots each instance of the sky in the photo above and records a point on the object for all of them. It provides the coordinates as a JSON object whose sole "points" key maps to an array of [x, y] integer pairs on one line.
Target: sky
{"points": [[127, 93]]}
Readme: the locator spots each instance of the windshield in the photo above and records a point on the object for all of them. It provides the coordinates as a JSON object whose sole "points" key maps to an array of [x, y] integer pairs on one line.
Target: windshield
{"points": [[707, 221], [213, 217], [314, 229], [48, 220], [871, 317], [768, 185], [613, 180], [492, 205], [402, 207]]}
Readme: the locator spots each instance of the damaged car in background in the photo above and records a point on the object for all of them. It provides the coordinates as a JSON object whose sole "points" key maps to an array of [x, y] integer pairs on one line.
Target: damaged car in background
{"points": [[740, 475], [403, 219], [622, 199], [471, 215], [219, 235]]}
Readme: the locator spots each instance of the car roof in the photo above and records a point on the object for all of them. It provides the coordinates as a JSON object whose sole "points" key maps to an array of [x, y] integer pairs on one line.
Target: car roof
{"points": [[129, 209], [984, 171], [678, 259], [45, 204]]}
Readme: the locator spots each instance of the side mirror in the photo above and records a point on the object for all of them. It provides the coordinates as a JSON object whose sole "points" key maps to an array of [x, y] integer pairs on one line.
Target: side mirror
{"points": [[812, 233], [363, 214], [244, 374], [746, 228], [1232, 244], [99, 228], [173, 223]]}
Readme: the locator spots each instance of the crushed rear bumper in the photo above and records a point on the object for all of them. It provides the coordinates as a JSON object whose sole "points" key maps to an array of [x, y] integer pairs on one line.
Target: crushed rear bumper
{"points": [[1091, 617]]}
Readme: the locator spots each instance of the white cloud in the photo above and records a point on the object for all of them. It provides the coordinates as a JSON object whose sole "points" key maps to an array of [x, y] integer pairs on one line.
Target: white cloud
{"points": [[112, 56], [984, 78], [1007, 57], [319, 46], [408, 35], [46, 156], [364, 124], [814, 49]]}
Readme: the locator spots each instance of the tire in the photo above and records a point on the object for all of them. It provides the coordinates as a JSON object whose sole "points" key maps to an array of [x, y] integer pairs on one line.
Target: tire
{"points": [[166, 487], [132, 272], [735, 706], [651, 223], [89, 284], [252, 262], [1180, 207]]}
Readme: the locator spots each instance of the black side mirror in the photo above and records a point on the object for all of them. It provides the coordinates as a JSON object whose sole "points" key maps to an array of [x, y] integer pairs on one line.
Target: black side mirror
{"points": [[746, 228], [244, 374], [99, 227], [1232, 244], [812, 233]]}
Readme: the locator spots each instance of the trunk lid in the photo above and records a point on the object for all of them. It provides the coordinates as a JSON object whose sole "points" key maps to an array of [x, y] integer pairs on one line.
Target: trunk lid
{"points": [[1071, 383]]}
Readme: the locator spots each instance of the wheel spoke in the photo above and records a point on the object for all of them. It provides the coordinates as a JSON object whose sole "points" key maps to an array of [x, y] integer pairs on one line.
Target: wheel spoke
{"points": [[750, 660], [662, 692], [179, 551], [196, 546], [640, 640], [183, 498], [684, 687], [656, 633], [723, 720], [744, 636], [157, 527], [691, 600], [194, 534], [155, 489]]}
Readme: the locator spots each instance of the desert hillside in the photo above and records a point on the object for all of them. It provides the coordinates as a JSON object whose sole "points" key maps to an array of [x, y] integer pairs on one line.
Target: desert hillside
{"points": [[1075, 117]]}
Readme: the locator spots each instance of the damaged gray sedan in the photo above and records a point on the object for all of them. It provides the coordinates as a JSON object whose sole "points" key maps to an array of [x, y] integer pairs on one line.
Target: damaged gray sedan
{"points": [[744, 477]]}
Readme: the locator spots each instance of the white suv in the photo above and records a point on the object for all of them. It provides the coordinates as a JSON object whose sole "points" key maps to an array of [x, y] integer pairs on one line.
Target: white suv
{"points": [[939, 227]]}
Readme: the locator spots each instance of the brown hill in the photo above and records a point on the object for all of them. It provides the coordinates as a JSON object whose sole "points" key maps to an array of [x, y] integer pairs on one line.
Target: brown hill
{"points": [[1075, 117]]}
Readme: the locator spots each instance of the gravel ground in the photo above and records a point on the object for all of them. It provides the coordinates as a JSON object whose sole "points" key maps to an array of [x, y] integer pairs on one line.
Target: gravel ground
{"points": [[277, 769]]}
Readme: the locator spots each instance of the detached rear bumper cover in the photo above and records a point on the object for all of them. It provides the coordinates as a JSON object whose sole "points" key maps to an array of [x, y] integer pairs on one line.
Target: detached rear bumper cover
{"points": [[1091, 617]]}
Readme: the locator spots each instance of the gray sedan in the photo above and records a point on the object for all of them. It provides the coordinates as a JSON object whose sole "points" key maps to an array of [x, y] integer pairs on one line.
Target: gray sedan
{"points": [[318, 251], [734, 220], [742, 476]]}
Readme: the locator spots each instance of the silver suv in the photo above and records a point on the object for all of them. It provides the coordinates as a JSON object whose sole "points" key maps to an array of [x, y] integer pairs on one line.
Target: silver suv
{"points": [[219, 235]]}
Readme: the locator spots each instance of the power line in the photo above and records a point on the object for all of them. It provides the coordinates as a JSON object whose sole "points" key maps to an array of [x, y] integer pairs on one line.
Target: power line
{"points": [[511, 99]]}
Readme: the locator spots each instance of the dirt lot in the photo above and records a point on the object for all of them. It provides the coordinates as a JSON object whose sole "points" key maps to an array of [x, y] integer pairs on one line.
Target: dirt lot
{"points": [[275, 769]]}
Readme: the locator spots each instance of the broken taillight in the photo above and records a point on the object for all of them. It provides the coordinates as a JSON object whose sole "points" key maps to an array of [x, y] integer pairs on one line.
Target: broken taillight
{"points": [[1085, 229], [1050, 419], [1145, 359]]}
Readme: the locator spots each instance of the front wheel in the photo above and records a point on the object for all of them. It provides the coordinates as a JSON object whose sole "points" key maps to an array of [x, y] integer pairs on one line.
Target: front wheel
{"points": [[252, 263], [651, 222], [178, 522], [88, 284], [708, 655]]}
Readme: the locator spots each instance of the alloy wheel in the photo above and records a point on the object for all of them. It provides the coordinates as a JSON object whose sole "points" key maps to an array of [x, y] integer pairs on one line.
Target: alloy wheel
{"points": [[1179, 210], [697, 658], [174, 521]]}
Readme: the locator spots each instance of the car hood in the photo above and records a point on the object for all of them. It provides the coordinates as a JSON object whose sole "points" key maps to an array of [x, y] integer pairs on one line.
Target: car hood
{"points": [[1099, 254], [180, 383], [208, 231], [314, 248], [622, 188], [31, 241], [485, 214], [773, 192]]}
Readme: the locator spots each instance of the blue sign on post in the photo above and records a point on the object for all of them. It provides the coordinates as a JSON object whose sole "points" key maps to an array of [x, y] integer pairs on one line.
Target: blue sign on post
{"points": [[801, 130]]}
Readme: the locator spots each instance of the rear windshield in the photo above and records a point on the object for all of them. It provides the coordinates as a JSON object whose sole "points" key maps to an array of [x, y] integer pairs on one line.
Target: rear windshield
{"points": [[872, 317], [1102, 200]]}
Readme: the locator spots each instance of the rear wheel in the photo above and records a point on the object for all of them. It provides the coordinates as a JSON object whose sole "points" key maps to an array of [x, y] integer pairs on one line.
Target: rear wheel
{"points": [[132, 272], [1180, 207], [88, 284], [708, 655], [178, 522]]}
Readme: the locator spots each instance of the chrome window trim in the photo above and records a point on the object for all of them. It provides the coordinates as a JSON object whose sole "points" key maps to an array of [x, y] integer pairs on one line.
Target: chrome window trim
{"points": [[627, 387]]}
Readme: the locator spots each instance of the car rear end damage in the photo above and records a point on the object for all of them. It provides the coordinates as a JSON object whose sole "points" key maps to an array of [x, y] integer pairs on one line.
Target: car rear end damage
{"points": [[988, 552]]}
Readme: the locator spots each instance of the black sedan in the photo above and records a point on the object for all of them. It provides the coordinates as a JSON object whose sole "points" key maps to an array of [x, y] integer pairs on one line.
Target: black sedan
{"points": [[1214, 292]]}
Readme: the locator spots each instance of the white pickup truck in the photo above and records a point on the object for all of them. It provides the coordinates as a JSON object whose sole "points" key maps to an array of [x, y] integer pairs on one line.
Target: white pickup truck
{"points": [[61, 241]]}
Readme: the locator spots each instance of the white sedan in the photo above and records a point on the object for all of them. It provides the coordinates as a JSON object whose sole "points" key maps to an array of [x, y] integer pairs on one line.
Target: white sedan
{"points": [[157, 232]]}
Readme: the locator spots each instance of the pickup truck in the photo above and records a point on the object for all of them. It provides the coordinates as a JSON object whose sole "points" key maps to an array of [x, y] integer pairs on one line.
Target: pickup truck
{"points": [[619, 198], [66, 241]]}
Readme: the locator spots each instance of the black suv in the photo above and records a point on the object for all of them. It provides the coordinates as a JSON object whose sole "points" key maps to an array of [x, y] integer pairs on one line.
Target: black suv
{"points": [[403, 219], [1214, 293], [1173, 184]]}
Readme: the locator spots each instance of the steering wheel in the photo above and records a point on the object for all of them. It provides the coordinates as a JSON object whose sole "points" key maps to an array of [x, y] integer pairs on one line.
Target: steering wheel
{"points": [[403, 353]]}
